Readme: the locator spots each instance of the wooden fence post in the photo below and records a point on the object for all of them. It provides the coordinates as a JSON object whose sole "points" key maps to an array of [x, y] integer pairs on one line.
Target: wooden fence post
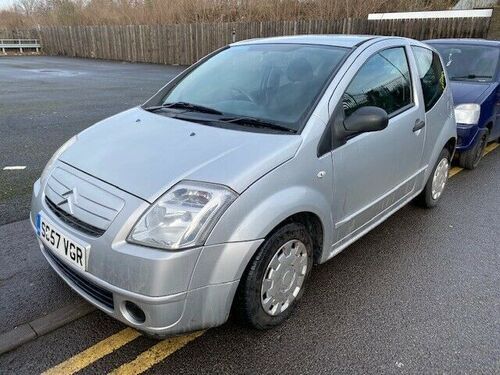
{"points": [[494, 30]]}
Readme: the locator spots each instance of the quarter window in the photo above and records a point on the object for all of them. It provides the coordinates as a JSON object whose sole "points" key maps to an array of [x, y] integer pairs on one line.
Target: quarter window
{"points": [[383, 81], [431, 75]]}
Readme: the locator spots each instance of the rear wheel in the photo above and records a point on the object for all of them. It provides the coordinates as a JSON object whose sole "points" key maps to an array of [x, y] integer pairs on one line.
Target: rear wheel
{"points": [[275, 278], [436, 183], [470, 158]]}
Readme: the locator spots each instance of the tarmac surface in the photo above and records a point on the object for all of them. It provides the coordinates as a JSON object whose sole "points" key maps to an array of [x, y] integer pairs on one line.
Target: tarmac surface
{"points": [[44, 101], [418, 294]]}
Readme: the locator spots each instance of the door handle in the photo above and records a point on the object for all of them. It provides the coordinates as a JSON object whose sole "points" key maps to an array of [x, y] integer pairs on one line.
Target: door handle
{"points": [[419, 124]]}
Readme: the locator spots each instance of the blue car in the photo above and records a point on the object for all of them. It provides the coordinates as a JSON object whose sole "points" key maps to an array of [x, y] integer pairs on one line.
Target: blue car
{"points": [[472, 66]]}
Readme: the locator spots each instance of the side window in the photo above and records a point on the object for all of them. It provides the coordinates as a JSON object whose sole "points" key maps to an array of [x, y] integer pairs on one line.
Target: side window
{"points": [[431, 75], [383, 81]]}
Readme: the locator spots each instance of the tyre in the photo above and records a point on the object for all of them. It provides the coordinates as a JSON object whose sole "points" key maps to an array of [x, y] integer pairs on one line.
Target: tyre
{"points": [[274, 280], [436, 183], [470, 158]]}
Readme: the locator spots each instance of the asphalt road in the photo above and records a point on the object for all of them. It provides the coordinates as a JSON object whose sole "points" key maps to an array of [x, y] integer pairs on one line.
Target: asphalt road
{"points": [[418, 294], [44, 101]]}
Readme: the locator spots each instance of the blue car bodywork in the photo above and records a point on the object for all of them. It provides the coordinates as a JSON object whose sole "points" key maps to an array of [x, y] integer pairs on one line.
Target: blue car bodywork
{"points": [[466, 90], [487, 96]]}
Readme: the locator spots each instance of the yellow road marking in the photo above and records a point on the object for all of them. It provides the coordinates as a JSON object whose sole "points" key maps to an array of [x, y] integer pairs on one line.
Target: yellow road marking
{"points": [[94, 353], [490, 148], [487, 150], [155, 354], [453, 171]]}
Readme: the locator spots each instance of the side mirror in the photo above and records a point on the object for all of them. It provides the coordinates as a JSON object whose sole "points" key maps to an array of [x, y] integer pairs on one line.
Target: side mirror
{"points": [[366, 119]]}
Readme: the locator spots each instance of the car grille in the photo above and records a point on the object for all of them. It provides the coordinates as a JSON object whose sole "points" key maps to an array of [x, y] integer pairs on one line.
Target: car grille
{"points": [[92, 290], [81, 202], [73, 221]]}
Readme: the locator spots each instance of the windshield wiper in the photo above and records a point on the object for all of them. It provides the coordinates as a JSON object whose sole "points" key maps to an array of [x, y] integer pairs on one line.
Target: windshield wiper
{"points": [[470, 76], [184, 105], [252, 121], [243, 120]]}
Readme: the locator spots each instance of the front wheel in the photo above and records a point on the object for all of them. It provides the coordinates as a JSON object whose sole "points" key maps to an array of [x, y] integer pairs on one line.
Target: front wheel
{"points": [[275, 278], [436, 183]]}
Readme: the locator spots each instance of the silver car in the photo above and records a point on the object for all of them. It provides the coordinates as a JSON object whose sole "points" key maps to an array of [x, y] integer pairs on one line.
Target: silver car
{"points": [[221, 191]]}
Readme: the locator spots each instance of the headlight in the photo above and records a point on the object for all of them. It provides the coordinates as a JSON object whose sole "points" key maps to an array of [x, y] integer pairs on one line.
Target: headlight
{"points": [[183, 217], [467, 113], [52, 160]]}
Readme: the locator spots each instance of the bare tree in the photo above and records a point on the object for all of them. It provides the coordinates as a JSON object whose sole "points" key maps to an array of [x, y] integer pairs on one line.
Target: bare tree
{"points": [[27, 7], [127, 12]]}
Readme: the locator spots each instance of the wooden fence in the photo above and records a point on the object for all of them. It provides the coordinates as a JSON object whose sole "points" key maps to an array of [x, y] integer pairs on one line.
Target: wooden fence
{"points": [[186, 43], [18, 33]]}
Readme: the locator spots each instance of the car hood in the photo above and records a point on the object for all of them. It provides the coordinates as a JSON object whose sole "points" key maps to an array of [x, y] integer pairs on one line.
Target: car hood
{"points": [[145, 154], [468, 92]]}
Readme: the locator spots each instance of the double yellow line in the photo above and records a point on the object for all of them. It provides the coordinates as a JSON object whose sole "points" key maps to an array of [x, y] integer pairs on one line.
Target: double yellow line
{"points": [[157, 352], [141, 363], [94, 353]]}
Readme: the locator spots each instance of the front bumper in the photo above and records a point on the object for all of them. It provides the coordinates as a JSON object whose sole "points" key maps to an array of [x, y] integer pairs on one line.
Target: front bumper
{"points": [[178, 291], [467, 135]]}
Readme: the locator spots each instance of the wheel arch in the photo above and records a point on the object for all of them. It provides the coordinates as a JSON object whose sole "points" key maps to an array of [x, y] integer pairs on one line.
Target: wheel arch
{"points": [[251, 217], [314, 227], [450, 146]]}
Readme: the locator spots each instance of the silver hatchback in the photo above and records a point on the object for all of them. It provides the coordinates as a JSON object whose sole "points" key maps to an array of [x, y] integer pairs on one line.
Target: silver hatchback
{"points": [[221, 191]]}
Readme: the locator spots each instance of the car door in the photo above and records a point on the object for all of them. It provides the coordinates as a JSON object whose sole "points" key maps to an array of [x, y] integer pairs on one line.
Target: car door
{"points": [[438, 108], [374, 173]]}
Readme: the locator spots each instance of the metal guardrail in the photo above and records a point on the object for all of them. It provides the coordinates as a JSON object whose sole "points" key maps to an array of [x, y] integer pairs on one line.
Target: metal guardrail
{"points": [[19, 44]]}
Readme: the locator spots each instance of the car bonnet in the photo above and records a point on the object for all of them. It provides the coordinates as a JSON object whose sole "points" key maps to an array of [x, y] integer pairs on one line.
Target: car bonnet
{"points": [[145, 154]]}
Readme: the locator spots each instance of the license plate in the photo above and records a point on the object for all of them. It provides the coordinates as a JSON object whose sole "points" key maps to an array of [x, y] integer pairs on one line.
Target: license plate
{"points": [[60, 243]]}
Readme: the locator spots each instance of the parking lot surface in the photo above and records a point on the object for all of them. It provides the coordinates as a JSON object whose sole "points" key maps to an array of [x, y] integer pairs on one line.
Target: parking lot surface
{"points": [[418, 294], [46, 100]]}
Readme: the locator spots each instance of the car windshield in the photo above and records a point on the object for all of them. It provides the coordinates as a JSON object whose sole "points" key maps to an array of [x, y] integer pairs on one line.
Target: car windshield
{"points": [[274, 83], [469, 62]]}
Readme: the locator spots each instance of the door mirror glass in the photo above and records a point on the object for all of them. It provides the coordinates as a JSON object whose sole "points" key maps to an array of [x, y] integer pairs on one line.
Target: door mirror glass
{"points": [[366, 119]]}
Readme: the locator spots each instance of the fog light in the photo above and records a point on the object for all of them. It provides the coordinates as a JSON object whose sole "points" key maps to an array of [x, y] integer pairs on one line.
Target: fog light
{"points": [[136, 315]]}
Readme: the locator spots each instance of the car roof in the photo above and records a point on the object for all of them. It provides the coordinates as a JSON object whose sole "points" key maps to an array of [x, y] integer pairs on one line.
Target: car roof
{"points": [[337, 40], [475, 42]]}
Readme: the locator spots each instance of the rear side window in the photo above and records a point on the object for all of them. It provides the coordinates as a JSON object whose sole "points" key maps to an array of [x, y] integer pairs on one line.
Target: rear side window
{"points": [[383, 81], [431, 75]]}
